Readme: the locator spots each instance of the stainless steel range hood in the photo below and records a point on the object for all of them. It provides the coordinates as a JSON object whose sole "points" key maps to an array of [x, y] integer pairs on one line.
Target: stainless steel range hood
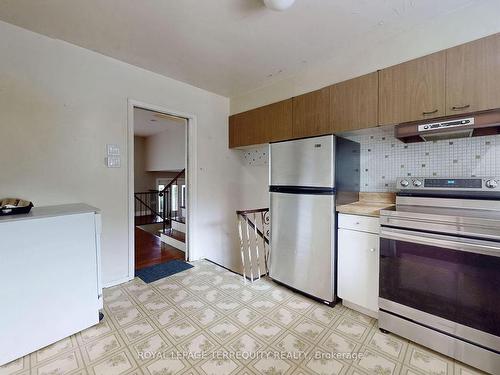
{"points": [[458, 126]]}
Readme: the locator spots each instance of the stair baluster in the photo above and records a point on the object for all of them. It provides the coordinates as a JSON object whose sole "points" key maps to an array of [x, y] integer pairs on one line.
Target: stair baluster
{"points": [[242, 248], [250, 239], [256, 245]]}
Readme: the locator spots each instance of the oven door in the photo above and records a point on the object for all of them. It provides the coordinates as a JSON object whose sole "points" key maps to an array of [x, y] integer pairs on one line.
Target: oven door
{"points": [[454, 278]]}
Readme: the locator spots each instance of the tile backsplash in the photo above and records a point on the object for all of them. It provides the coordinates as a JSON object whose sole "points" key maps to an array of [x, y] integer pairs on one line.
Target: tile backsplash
{"points": [[384, 158]]}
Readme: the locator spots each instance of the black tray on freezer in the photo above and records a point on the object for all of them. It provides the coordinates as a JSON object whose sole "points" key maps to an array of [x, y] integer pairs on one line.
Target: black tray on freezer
{"points": [[14, 206]]}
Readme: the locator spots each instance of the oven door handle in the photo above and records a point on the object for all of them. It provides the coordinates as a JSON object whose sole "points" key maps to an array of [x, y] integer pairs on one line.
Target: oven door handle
{"points": [[449, 242]]}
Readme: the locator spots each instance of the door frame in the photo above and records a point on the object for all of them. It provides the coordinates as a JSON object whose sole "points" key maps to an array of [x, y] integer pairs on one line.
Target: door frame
{"points": [[191, 180]]}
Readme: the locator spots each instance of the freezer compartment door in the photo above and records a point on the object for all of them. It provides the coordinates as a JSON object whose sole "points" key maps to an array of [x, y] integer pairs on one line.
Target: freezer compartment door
{"points": [[302, 243], [304, 162]]}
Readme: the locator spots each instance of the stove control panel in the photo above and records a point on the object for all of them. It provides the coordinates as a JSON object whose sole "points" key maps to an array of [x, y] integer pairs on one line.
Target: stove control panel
{"points": [[432, 183]]}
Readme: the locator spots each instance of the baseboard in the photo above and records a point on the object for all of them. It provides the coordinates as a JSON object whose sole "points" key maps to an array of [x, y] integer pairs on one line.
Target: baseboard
{"points": [[361, 309], [117, 282], [230, 270]]}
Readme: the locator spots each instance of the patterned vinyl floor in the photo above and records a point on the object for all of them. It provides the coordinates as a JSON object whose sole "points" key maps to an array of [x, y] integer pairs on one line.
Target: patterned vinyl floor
{"points": [[206, 320]]}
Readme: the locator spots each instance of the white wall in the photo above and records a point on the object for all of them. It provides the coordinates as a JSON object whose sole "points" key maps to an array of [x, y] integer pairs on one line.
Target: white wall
{"points": [[60, 105], [166, 151], [143, 181], [248, 189], [255, 168], [355, 59]]}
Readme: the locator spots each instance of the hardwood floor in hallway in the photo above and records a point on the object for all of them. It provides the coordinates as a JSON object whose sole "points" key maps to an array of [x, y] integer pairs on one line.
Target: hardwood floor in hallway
{"points": [[150, 250]]}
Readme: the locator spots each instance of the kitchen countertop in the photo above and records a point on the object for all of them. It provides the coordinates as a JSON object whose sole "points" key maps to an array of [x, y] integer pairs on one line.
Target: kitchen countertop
{"points": [[369, 204]]}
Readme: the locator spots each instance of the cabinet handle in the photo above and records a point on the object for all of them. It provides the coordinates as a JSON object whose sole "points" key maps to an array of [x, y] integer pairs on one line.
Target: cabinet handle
{"points": [[458, 108], [372, 250], [430, 112]]}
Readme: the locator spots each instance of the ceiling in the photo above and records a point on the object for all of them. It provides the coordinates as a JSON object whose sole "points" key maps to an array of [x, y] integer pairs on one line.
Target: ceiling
{"points": [[229, 47], [148, 123]]}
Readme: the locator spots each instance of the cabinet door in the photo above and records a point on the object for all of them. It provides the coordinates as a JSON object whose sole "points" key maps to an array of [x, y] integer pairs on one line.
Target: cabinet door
{"points": [[245, 130], [354, 103], [414, 90], [358, 259], [266, 124], [472, 76], [311, 114], [279, 118]]}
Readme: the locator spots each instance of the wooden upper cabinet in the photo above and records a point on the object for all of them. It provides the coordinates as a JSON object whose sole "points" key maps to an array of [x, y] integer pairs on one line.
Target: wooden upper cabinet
{"points": [[244, 131], [462, 79], [311, 114], [266, 124], [279, 116], [413, 90], [473, 76], [354, 103]]}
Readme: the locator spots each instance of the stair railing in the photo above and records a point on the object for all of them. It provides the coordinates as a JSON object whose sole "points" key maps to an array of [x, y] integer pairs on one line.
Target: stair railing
{"points": [[149, 210], [168, 212], [146, 208], [253, 230]]}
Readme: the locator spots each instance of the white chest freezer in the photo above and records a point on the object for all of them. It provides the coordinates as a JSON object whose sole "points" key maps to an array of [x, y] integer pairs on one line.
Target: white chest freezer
{"points": [[49, 276]]}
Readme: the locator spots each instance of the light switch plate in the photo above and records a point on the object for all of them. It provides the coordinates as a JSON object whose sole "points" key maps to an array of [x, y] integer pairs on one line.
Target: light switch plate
{"points": [[112, 149], [113, 162]]}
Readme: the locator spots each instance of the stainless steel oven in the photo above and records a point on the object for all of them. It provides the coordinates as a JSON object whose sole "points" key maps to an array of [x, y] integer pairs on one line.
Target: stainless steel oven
{"points": [[440, 268]]}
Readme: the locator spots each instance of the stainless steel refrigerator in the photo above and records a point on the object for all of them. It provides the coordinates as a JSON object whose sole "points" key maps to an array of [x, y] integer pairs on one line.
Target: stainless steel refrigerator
{"points": [[307, 178]]}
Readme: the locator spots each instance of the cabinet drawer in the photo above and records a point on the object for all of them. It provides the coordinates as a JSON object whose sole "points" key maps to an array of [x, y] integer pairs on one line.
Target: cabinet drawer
{"points": [[358, 222]]}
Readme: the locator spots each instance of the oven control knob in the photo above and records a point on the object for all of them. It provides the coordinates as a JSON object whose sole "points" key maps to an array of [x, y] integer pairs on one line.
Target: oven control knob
{"points": [[491, 184], [404, 183], [417, 183]]}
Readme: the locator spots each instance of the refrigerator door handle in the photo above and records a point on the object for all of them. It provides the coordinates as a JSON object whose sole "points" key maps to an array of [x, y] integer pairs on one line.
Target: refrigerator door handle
{"points": [[303, 190]]}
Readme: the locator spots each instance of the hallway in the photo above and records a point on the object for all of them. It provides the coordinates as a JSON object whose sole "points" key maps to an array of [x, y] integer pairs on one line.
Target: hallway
{"points": [[150, 250]]}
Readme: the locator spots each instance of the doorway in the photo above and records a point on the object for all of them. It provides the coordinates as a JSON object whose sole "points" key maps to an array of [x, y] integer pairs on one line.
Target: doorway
{"points": [[158, 186]]}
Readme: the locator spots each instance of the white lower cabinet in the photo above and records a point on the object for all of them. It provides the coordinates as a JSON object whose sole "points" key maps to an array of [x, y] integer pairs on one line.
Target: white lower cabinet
{"points": [[358, 263]]}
